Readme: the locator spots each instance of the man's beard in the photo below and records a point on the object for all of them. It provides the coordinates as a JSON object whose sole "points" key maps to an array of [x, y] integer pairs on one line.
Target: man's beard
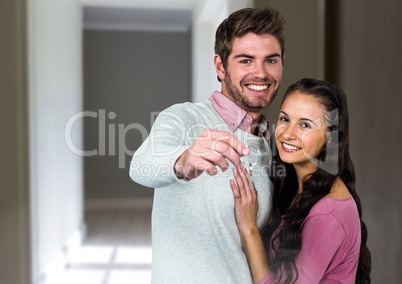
{"points": [[242, 100]]}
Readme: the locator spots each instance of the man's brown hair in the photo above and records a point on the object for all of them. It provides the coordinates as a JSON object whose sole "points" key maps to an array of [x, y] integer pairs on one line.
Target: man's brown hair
{"points": [[248, 20]]}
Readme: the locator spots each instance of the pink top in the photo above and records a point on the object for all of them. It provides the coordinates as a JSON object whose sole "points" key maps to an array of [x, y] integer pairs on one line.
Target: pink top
{"points": [[330, 243], [236, 117]]}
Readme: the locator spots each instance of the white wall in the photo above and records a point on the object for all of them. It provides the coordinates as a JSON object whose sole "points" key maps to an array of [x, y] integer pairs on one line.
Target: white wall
{"points": [[41, 181], [54, 33]]}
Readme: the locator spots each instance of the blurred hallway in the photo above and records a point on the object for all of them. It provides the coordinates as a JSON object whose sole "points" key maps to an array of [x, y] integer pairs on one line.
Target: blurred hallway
{"points": [[42, 184], [117, 250]]}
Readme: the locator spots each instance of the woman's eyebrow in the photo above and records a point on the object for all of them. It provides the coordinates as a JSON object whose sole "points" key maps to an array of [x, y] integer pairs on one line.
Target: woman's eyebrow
{"points": [[303, 118], [312, 121]]}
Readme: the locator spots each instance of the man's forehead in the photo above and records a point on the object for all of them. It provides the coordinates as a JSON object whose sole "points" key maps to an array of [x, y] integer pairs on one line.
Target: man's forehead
{"points": [[252, 43]]}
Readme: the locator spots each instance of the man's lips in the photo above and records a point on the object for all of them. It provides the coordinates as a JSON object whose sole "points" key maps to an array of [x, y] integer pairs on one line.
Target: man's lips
{"points": [[257, 87]]}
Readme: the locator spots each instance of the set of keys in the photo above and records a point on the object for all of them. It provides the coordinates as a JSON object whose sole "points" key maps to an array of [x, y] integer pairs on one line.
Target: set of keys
{"points": [[249, 165]]}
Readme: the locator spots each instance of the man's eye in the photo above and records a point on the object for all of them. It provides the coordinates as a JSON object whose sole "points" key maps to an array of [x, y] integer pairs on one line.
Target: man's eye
{"points": [[272, 61], [245, 61]]}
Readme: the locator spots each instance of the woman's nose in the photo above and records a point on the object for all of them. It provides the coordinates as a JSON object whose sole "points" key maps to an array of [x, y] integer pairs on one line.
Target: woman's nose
{"points": [[289, 132]]}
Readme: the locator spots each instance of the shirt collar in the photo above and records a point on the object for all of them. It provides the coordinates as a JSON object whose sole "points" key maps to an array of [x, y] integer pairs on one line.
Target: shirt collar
{"points": [[236, 117]]}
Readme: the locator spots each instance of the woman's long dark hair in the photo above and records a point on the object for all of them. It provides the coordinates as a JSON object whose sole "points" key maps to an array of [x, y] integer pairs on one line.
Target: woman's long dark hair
{"points": [[332, 162]]}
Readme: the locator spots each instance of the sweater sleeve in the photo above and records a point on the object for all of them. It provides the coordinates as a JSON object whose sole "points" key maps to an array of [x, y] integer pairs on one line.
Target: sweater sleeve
{"points": [[152, 163]]}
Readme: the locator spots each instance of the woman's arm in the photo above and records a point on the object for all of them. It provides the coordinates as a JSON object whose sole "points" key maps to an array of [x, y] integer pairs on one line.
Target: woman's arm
{"points": [[246, 208]]}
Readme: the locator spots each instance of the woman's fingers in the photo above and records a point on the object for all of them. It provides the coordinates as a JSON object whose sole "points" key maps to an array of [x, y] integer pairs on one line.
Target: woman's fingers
{"points": [[246, 205], [246, 177], [242, 180], [254, 192], [246, 180], [235, 190]]}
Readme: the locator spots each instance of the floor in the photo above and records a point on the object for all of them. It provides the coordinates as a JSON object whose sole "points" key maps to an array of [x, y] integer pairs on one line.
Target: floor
{"points": [[117, 250]]}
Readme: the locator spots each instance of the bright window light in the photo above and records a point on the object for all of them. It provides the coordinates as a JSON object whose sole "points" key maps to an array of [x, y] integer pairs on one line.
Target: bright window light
{"points": [[130, 277], [105, 265], [91, 255], [134, 255], [76, 276]]}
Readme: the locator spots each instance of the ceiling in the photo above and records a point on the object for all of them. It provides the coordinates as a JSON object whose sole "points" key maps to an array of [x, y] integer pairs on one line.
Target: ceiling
{"points": [[150, 15]]}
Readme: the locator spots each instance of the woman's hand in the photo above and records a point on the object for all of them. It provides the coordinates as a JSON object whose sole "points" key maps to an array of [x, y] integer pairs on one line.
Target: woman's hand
{"points": [[246, 208], [246, 201]]}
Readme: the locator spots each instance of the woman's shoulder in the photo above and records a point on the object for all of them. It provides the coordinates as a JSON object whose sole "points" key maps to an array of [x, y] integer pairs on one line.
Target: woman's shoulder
{"points": [[338, 200], [332, 205], [331, 210], [339, 190]]}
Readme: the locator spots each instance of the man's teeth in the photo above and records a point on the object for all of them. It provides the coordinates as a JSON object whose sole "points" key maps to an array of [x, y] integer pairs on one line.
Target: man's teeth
{"points": [[290, 147], [257, 87]]}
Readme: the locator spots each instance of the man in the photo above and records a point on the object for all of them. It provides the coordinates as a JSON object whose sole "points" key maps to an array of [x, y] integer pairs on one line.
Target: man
{"points": [[192, 148]]}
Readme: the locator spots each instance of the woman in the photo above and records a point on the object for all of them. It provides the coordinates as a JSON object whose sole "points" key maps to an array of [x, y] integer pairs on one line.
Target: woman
{"points": [[315, 233]]}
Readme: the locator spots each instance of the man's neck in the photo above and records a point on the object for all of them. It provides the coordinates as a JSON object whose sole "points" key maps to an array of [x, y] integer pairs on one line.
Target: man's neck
{"points": [[256, 120]]}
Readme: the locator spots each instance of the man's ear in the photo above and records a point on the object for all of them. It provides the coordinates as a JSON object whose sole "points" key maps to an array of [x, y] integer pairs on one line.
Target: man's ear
{"points": [[220, 70]]}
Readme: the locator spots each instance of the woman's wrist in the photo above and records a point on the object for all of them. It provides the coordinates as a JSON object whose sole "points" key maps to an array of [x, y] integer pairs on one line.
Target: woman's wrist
{"points": [[250, 231]]}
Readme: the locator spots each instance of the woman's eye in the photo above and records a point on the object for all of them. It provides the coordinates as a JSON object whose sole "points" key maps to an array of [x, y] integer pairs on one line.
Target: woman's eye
{"points": [[283, 118], [305, 125]]}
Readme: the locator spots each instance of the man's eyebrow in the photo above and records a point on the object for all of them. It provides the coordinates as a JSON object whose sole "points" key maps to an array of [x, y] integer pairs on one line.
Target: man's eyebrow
{"points": [[273, 55], [244, 55]]}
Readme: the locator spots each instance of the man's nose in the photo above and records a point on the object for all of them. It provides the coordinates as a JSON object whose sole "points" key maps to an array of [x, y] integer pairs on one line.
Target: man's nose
{"points": [[260, 70]]}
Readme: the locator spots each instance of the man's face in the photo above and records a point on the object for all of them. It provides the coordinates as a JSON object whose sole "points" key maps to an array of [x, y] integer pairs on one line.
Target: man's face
{"points": [[253, 73]]}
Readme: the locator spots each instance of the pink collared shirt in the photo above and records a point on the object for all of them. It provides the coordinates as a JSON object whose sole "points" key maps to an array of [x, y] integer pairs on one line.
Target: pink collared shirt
{"points": [[236, 117]]}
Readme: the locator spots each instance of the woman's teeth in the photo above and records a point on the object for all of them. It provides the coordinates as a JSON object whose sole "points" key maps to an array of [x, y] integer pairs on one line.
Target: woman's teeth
{"points": [[290, 147]]}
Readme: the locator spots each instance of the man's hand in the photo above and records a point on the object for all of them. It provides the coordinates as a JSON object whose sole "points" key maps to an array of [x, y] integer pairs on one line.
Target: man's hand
{"points": [[213, 148]]}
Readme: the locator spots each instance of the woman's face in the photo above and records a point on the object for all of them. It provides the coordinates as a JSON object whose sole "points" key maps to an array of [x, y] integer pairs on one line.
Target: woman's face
{"points": [[301, 130]]}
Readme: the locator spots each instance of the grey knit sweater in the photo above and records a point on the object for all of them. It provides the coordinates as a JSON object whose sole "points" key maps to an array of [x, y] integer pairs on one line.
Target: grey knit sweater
{"points": [[194, 234]]}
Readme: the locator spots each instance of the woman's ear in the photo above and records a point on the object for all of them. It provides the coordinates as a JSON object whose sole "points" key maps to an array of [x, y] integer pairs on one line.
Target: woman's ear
{"points": [[220, 70]]}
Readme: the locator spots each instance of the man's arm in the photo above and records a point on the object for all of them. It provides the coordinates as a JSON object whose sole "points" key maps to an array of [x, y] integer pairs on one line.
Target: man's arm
{"points": [[174, 150], [152, 163]]}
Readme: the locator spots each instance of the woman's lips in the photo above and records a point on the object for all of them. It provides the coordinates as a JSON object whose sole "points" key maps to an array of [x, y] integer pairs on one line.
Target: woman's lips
{"points": [[289, 148]]}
